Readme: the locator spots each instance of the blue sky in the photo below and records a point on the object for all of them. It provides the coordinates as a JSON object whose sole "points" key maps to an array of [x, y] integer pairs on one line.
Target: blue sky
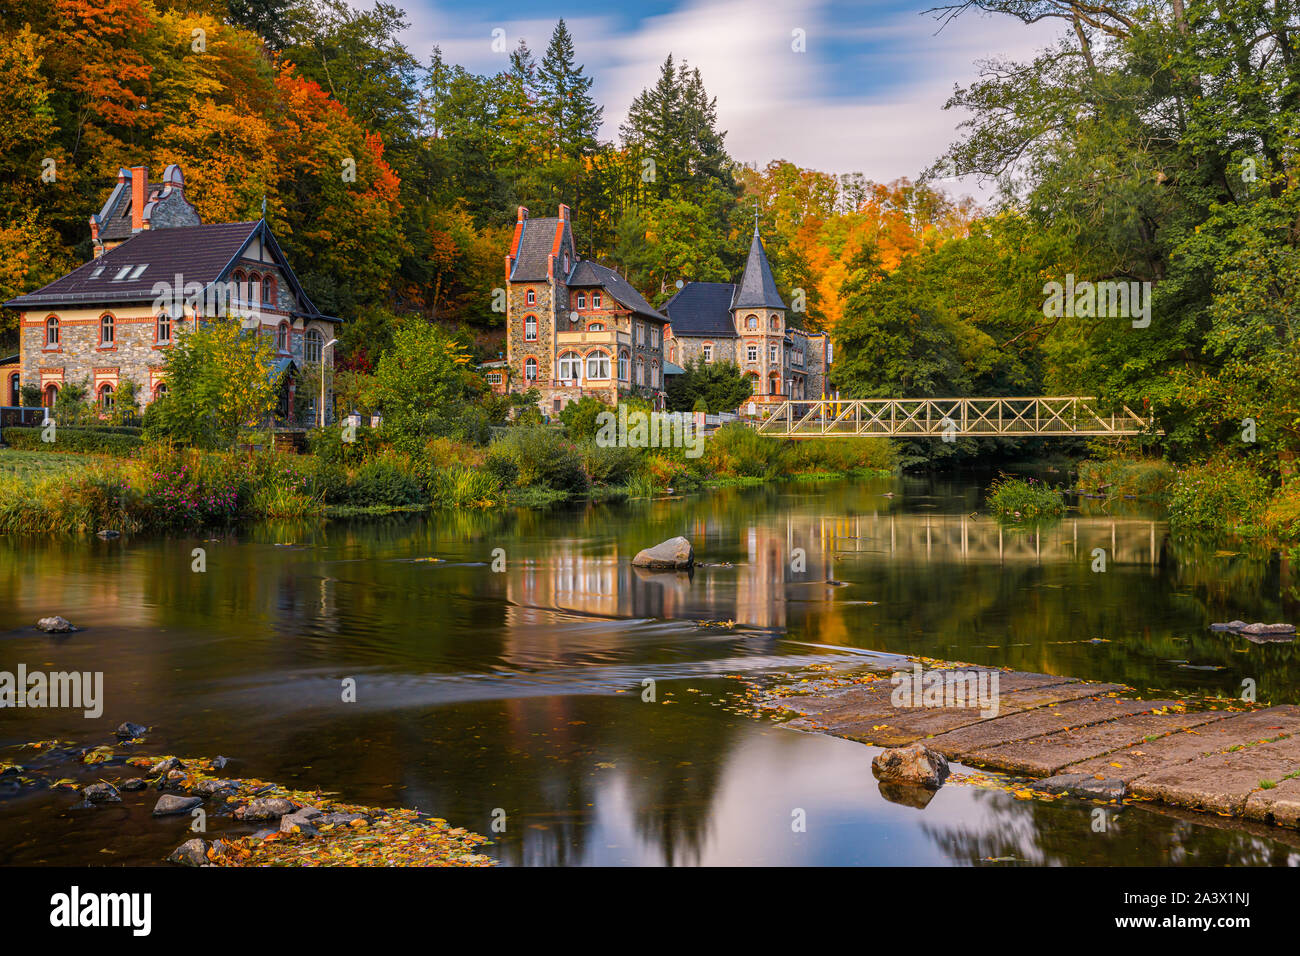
{"points": [[866, 95]]}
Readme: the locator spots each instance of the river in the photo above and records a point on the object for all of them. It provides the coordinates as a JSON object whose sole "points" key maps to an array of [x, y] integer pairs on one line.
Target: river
{"points": [[506, 680]]}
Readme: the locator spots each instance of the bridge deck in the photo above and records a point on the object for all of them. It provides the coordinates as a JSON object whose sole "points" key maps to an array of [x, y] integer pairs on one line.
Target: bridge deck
{"points": [[951, 418]]}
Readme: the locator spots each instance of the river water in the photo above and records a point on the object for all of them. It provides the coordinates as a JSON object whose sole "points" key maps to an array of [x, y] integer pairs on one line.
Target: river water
{"points": [[506, 680]]}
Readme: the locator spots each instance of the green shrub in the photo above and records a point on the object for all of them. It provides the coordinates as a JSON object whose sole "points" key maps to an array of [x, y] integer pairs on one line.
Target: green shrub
{"points": [[388, 479], [1221, 495], [537, 457], [328, 444], [609, 465], [183, 488], [840, 454], [735, 450], [581, 418], [1141, 477], [1024, 498], [89, 441]]}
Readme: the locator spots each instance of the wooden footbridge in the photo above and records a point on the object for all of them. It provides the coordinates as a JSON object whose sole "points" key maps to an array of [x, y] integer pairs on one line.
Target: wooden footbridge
{"points": [[952, 418]]}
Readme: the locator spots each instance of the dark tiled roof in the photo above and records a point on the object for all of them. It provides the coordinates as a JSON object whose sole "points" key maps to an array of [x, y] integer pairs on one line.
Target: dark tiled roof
{"points": [[587, 273], [196, 253], [757, 288], [702, 309], [535, 245]]}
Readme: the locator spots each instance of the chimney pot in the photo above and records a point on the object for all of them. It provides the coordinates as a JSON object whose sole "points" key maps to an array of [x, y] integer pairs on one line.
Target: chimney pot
{"points": [[564, 212], [523, 213]]}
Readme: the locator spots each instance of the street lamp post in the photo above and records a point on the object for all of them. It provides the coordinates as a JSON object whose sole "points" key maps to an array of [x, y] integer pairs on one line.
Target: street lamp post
{"points": [[327, 345]]}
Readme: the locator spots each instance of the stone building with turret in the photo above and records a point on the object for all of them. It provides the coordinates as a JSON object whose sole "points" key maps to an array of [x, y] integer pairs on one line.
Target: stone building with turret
{"points": [[748, 323]]}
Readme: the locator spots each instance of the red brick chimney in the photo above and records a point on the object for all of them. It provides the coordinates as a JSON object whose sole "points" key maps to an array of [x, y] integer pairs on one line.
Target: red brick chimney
{"points": [[564, 213], [139, 195]]}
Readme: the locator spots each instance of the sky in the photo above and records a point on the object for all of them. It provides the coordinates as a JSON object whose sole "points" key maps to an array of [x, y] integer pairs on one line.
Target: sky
{"points": [[865, 95]]}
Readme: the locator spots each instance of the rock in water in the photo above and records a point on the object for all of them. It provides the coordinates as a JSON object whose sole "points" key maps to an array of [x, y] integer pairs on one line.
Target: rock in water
{"points": [[169, 804], [916, 764], [127, 730], [675, 554], [55, 625], [265, 808], [190, 853], [100, 793], [109, 535], [164, 767]]}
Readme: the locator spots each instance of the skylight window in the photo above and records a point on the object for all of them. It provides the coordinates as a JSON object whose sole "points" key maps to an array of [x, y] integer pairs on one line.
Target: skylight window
{"points": [[125, 271], [138, 270], [99, 271]]}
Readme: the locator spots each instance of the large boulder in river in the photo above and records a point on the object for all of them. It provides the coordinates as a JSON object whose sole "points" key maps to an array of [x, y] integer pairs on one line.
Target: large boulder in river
{"points": [[675, 554], [55, 625], [916, 764], [190, 853]]}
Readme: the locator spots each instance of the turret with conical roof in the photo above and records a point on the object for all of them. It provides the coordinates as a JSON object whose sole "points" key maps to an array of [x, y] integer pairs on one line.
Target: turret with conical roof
{"points": [[757, 288]]}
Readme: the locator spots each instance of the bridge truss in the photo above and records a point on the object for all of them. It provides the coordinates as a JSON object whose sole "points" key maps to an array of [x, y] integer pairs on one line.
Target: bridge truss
{"points": [[951, 418]]}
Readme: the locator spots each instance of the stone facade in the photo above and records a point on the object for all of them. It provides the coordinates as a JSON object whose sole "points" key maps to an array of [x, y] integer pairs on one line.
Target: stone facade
{"points": [[575, 328]]}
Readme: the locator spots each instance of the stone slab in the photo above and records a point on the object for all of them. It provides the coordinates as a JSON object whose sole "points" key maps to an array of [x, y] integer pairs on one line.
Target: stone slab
{"points": [[1049, 753], [1176, 749], [1280, 805], [958, 744], [1221, 782]]}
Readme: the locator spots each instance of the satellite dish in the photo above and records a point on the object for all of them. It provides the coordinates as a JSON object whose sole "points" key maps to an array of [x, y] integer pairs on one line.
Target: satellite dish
{"points": [[574, 317], [680, 283]]}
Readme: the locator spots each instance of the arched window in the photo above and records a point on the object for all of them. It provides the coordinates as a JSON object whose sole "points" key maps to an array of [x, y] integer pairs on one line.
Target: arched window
{"points": [[241, 285], [254, 288], [313, 346], [106, 396], [775, 324], [751, 322], [268, 291], [582, 300], [159, 390], [106, 330], [596, 327], [164, 330], [774, 384], [622, 366], [15, 393], [708, 352], [531, 297], [282, 337], [530, 328], [570, 367], [640, 371], [51, 393], [52, 332], [654, 374], [672, 352], [530, 370], [598, 365]]}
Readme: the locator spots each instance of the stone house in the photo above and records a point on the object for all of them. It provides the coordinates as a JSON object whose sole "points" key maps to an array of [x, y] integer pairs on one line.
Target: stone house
{"points": [[747, 323], [159, 270], [575, 327]]}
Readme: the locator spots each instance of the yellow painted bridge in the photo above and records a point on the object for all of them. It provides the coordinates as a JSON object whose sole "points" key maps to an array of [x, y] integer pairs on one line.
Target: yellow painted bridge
{"points": [[952, 418]]}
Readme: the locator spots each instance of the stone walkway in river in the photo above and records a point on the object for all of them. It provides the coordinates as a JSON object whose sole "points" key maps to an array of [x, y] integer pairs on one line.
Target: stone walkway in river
{"points": [[1242, 764]]}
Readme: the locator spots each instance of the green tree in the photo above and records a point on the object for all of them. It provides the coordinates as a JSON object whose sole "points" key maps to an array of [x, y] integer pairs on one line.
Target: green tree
{"points": [[421, 385], [709, 386]]}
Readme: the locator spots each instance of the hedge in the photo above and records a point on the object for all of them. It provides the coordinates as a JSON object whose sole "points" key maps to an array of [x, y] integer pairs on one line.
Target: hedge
{"points": [[95, 441]]}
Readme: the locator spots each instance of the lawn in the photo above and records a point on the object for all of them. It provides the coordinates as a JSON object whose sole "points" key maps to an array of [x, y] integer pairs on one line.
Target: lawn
{"points": [[40, 464]]}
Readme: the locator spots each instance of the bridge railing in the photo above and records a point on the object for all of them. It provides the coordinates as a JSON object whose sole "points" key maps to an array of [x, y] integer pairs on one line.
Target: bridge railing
{"points": [[1020, 417]]}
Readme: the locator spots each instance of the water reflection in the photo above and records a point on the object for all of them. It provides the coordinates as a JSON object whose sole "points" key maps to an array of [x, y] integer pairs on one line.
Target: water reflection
{"points": [[522, 690]]}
